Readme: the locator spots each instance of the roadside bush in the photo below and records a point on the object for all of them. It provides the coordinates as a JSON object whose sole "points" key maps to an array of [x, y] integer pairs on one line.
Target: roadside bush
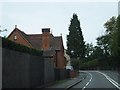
{"points": [[89, 64], [75, 63]]}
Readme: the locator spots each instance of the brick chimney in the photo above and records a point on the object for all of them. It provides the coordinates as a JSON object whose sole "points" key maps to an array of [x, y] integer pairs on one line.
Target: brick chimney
{"points": [[45, 38]]}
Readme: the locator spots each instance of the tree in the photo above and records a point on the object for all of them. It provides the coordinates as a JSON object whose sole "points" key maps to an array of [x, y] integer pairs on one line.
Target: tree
{"points": [[110, 42], [76, 64], [75, 40], [111, 32], [118, 37], [116, 49], [103, 43], [89, 49]]}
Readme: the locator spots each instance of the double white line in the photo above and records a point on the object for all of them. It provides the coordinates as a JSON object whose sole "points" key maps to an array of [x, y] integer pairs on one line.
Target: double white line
{"points": [[111, 80]]}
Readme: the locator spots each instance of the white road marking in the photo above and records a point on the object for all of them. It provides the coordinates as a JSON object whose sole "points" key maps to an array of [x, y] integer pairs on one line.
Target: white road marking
{"points": [[87, 82], [110, 80]]}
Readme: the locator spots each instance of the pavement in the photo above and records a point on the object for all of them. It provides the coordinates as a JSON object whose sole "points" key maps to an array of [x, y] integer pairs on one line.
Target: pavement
{"points": [[70, 82]]}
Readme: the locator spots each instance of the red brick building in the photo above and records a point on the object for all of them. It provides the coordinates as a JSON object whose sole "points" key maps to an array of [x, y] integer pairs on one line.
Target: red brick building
{"points": [[51, 45]]}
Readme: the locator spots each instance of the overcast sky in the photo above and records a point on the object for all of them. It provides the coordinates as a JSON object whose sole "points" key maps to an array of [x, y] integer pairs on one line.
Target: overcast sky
{"points": [[31, 17]]}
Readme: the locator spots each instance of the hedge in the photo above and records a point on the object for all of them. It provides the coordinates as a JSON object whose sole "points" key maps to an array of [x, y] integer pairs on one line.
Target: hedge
{"points": [[6, 43], [90, 64]]}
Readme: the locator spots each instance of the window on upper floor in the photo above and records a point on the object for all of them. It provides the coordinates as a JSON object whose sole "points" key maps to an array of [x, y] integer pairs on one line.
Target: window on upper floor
{"points": [[15, 37]]}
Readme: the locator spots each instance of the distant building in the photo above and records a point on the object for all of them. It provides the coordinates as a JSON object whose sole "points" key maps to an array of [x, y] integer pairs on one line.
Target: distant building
{"points": [[51, 45], [68, 64]]}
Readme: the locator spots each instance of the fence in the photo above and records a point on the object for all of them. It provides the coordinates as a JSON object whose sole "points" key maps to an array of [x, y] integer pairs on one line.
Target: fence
{"points": [[61, 74], [21, 70]]}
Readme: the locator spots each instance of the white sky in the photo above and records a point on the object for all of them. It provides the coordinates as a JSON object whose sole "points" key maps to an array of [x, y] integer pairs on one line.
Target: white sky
{"points": [[31, 17]]}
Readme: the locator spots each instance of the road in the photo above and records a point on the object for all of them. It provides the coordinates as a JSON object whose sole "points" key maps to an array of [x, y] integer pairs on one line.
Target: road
{"points": [[96, 80]]}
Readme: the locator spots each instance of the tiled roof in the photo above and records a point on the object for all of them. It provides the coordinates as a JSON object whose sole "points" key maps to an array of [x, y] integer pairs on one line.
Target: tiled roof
{"points": [[35, 40], [24, 35], [56, 43]]}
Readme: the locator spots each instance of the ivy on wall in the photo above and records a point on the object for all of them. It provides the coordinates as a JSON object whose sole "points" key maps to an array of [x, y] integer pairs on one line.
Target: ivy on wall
{"points": [[6, 43]]}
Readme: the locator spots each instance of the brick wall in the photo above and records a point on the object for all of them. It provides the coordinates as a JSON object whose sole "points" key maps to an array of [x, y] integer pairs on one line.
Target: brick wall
{"points": [[60, 60], [73, 73], [45, 39], [19, 39]]}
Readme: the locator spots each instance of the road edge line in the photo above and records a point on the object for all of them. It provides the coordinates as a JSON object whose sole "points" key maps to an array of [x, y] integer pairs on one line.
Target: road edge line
{"points": [[87, 82], [110, 80]]}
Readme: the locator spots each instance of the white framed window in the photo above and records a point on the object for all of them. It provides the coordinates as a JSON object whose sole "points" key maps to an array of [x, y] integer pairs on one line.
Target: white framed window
{"points": [[15, 37]]}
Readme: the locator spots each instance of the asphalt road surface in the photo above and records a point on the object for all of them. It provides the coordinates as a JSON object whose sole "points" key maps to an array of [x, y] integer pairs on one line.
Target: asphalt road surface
{"points": [[97, 80]]}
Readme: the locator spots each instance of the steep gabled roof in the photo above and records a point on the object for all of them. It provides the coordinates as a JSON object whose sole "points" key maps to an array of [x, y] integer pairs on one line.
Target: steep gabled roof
{"points": [[35, 40], [24, 36]]}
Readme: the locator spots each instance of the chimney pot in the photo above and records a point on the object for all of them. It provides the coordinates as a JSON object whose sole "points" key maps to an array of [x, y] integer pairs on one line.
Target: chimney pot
{"points": [[45, 29], [15, 26]]}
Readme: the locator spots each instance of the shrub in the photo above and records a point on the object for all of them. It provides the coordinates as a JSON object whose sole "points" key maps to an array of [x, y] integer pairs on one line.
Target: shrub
{"points": [[21, 48], [89, 64]]}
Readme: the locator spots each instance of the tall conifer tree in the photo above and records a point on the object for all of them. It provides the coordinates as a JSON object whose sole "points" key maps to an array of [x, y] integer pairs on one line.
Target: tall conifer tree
{"points": [[75, 40]]}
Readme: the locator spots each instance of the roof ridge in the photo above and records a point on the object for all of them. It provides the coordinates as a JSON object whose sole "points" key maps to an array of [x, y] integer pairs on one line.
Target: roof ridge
{"points": [[33, 34], [24, 35], [57, 36]]}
